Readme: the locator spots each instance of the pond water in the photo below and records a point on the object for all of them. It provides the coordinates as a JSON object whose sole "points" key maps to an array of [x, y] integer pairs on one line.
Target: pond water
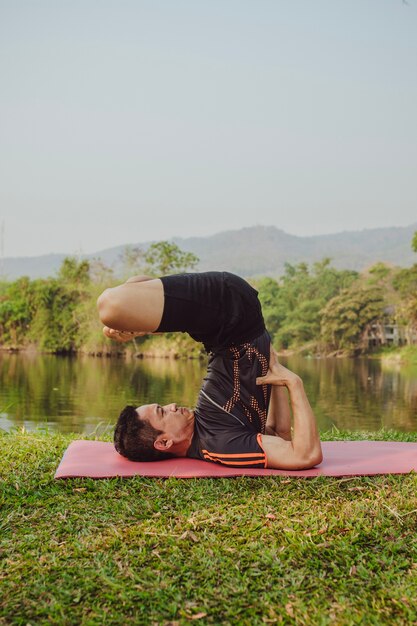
{"points": [[85, 394]]}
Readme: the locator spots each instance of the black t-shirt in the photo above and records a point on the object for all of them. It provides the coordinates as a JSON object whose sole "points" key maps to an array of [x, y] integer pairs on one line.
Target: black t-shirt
{"points": [[231, 410], [223, 311]]}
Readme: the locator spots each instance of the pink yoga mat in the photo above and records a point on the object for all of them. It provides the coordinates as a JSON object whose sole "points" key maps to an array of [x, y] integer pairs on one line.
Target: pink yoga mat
{"points": [[99, 459]]}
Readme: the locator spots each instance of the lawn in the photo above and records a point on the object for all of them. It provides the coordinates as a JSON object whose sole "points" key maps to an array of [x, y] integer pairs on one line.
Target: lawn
{"points": [[207, 551]]}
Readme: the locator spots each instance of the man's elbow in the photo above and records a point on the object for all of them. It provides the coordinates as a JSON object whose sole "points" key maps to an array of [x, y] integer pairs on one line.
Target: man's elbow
{"points": [[295, 460], [312, 459]]}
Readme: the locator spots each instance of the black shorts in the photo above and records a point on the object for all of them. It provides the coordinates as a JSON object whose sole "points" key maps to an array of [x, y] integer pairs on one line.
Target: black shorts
{"points": [[217, 308]]}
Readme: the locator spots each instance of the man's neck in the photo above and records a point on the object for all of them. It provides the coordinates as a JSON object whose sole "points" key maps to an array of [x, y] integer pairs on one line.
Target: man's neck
{"points": [[181, 447]]}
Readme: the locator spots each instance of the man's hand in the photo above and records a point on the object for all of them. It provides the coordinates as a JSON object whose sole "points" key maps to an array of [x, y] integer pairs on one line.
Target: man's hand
{"points": [[122, 336], [277, 374]]}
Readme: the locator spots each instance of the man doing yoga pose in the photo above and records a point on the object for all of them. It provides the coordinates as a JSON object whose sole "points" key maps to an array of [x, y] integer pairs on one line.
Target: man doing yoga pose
{"points": [[243, 415]]}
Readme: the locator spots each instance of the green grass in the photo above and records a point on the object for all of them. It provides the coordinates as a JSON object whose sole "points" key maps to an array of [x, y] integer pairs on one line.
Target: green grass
{"points": [[208, 551]]}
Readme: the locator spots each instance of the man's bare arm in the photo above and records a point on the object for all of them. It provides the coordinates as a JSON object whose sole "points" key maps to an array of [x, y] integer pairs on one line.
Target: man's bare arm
{"points": [[304, 449], [278, 422]]}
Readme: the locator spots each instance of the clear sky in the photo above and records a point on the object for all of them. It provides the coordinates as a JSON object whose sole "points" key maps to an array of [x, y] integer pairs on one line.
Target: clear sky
{"points": [[132, 120]]}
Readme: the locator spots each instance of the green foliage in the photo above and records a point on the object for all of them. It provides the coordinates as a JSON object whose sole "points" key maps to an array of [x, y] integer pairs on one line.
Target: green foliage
{"points": [[174, 345], [414, 242], [59, 314], [160, 259], [379, 273], [405, 282], [272, 305], [74, 272], [55, 324], [17, 305], [292, 306], [45, 311], [300, 309], [164, 258], [347, 316], [324, 308]]}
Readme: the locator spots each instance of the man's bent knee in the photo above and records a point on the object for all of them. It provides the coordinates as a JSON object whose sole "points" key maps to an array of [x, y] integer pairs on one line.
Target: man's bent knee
{"points": [[136, 306], [107, 308]]}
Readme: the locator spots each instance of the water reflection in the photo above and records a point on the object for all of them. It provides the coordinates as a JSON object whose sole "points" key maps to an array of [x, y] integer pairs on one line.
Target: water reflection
{"points": [[359, 394], [78, 394]]}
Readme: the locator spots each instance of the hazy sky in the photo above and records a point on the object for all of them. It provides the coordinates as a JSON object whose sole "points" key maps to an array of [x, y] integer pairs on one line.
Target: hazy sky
{"points": [[130, 120]]}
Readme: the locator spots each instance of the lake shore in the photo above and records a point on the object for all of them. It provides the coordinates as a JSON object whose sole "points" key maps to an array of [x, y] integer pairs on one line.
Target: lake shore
{"points": [[183, 347], [406, 355], [151, 551]]}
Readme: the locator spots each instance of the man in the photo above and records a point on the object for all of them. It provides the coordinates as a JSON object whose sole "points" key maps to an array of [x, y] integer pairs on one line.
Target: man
{"points": [[242, 417]]}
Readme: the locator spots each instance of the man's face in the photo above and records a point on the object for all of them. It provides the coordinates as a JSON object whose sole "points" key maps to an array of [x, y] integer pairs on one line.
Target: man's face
{"points": [[172, 420]]}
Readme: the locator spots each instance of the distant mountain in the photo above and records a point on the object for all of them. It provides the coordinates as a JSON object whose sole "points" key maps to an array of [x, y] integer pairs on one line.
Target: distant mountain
{"points": [[258, 250]]}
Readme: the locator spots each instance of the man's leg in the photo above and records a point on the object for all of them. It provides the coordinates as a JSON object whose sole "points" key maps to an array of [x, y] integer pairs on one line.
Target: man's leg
{"points": [[134, 306]]}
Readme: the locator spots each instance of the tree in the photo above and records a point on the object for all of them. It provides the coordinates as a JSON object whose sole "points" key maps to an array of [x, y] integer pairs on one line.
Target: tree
{"points": [[54, 324], [405, 283], [100, 272], [269, 297], [16, 311], [347, 316], [74, 271], [379, 272], [133, 260], [292, 306], [164, 258], [414, 242]]}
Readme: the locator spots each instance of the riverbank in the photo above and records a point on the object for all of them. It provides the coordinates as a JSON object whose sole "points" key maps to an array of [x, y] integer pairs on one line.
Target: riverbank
{"points": [[183, 347], [215, 551], [168, 346], [407, 355]]}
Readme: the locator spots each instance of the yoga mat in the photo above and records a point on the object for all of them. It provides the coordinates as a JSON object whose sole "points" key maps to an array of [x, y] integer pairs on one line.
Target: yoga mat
{"points": [[99, 459]]}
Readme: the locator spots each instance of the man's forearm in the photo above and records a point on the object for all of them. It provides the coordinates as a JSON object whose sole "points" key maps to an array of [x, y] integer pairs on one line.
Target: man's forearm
{"points": [[305, 440], [279, 413]]}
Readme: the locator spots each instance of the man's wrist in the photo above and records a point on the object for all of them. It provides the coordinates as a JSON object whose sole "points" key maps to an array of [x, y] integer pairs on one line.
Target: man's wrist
{"points": [[295, 384]]}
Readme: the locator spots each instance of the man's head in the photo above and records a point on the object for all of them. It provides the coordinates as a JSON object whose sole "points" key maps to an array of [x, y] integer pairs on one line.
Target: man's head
{"points": [[152, 432]]}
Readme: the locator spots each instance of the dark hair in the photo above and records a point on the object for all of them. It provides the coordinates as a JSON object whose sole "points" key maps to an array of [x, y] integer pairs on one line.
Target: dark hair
{"points": [[134, 438]]}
